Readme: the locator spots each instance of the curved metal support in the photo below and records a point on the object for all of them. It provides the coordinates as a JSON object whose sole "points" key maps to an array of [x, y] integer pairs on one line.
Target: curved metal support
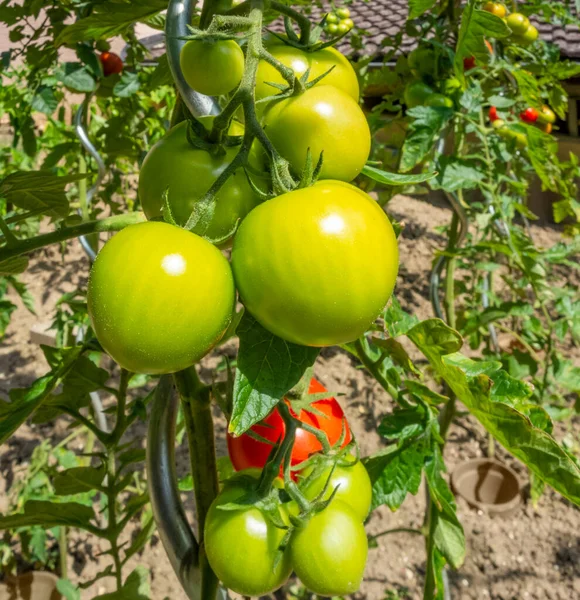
{"points": [[179, 13], [80, 123], [174, 529]]}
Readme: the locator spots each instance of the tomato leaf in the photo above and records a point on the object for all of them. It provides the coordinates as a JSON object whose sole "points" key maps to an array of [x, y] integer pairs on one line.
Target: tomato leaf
{"points": [[109, 19], [448, 533], [501, 415], [26, 401], [136, 587], [128, 85], [419, 7], [267, 368], [50, 514], [78, 480], [38, 190], [396, 179]]}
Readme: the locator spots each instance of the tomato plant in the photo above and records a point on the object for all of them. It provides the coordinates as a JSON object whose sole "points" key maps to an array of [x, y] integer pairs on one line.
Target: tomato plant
{"points": [[327, 416], [311, 302], [157, 342], [148, 286]]}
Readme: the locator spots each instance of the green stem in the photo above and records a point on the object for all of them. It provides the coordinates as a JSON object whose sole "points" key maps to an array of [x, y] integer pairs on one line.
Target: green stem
{"points": [[114, 223], [397, 530], [112, 528], [116, 434], [63, 551], [22, 217], [196, 404], [11, 239], [207, 12], [449, 300], [302, 20]]}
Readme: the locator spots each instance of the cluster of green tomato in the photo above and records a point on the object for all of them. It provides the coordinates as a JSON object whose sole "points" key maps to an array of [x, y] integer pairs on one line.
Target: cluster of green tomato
{"points": [[338, 22], [523, 32], [314, 266], [327, 549], [424, 63]]}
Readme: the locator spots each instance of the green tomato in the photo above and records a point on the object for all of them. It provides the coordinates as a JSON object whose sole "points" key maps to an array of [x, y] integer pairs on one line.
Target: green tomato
{"points": [[422, 61], [518, 23], [416, 93], [159, 297], [451, 86], [242, 545], [332, 18], [547, 115], [349, 23], [439, 100], [529, 36], [332, 28], [343, 28], [329, 552], [322, 119], [343, 13], [212, 68], [342, 75], [186, 173], [353, 481], [317, 265]]}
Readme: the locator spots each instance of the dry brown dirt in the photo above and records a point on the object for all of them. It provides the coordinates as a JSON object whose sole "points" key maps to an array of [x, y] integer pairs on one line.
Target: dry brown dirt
{"points": [[534, 555]]}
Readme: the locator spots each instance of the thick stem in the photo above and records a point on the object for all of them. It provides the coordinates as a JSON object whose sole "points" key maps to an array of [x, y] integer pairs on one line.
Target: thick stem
{"points": [[449, 300], [196, 404], [121, 402], [112, 525], [302, 20], [115, 223]]}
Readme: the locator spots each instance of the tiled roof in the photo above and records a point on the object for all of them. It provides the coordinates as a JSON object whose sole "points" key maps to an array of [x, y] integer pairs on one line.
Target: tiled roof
{"points": [[382, 18]]}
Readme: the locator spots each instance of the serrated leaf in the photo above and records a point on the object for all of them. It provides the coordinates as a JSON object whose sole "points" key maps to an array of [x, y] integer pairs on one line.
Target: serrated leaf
{"points": [[397, 353], [397, 321], [395, 179], [109, 19], [403, 424], [50, 514], [45, 100], [136, 587], [78, 480], [528, 87], [38, 190], [267, 368], [513, 429], [458, 174], [424, 392], [419, 7], [13, 414], [128, 85], [448, 533], [14, 266], [75, 76]]}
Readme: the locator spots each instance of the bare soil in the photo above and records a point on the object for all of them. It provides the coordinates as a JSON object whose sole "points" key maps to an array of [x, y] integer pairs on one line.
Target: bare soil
{"points": [[533, 555]]}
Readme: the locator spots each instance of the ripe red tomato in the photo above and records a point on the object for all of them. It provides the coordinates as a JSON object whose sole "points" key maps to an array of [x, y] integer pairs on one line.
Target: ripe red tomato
{"points": [[246, 452], [530, 115], [493, 116], [112, 63], [468, 63]]}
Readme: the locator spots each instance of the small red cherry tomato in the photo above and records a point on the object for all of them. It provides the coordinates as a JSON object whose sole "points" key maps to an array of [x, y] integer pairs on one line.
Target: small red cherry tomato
{"points": [[112, 63], [530, 115], [468, 63], [493, 116]]}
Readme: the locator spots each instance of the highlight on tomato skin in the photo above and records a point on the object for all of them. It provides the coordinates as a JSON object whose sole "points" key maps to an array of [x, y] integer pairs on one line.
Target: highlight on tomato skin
{"points": [[247, 452]]}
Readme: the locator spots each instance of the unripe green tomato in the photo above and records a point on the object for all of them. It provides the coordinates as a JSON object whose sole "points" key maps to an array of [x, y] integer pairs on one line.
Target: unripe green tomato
{"points": [[353, 481], [348, 22], [332, 28], [529, 36], [329, 552], [416, 93], [241, 547], [317, 265], [439, 100], [343, 13], [451, 86], [343, 27], [103, 46], [186, 173], [212, 68], [518, 23], [322, 119], [159, 297], [342, 74], [547, 115], [332, 18], [495, 8], [421, 61]]}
